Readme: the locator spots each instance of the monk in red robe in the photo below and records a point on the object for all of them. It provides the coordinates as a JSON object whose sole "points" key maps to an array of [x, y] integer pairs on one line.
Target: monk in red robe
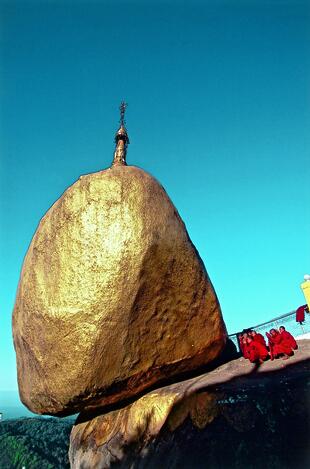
{"points": [[240, 342], [278, 346], [258, 337], [244, 346], [268, 334], [300, 314], [288, 338], [255, 351]]}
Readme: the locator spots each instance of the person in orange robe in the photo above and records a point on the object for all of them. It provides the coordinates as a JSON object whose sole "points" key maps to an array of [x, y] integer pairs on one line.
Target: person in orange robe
{"points": [[258, 337], [278, 346], [287, 337], [255, 351]]}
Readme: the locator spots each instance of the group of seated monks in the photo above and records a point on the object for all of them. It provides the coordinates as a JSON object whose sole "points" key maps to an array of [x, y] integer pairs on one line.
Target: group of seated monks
{"points": [[280, 343]]}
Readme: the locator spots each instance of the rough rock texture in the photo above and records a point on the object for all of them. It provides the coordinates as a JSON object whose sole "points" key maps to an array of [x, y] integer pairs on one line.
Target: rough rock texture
{"points": [[233, 417], [112, 298]]}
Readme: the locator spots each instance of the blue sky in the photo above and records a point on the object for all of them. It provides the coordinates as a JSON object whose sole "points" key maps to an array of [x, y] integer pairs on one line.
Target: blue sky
{"points": [[219, 113]]}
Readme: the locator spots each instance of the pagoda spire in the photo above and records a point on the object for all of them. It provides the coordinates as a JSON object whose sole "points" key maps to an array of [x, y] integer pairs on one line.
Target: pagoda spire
{"points": [[121, 139]]}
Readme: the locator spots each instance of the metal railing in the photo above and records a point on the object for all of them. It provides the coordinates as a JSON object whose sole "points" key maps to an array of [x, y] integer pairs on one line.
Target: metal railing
{"points": [[287, 320]]}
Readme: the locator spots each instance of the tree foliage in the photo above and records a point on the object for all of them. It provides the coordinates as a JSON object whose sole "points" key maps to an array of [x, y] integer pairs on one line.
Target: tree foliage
{"points": [[35, 443]]}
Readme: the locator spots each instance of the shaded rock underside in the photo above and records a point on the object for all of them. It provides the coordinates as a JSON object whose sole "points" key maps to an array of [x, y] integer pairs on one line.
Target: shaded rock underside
{"points": [[237, 415]]}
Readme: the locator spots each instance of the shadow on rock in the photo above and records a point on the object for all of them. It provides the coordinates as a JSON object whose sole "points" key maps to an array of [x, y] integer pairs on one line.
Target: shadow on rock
{"points": [[234, 416]]}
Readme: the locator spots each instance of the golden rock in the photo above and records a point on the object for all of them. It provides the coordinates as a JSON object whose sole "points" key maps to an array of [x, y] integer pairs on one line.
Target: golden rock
{"points": [[113, 296], [118, 436]]}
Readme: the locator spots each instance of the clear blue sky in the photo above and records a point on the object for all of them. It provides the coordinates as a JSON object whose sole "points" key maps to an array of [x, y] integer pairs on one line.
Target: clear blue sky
{"points": [[219, 113]]}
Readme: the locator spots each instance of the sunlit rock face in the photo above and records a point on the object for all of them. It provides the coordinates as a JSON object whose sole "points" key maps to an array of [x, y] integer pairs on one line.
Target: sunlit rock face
{"points": [[113, 296], [235, 416]]}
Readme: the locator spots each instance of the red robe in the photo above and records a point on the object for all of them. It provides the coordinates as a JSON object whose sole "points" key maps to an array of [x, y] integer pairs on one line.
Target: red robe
{"points": [[259, 338], [289, 339], [244, 349], [255, 351], [300, 313], [278, 346]]}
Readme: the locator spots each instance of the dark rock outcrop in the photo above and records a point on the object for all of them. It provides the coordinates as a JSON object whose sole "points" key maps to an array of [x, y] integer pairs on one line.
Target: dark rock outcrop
{"points": [[236, 416]]}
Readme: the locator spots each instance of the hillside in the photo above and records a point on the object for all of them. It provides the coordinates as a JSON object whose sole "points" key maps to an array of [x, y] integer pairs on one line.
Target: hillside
{"points": [[35, 443]]}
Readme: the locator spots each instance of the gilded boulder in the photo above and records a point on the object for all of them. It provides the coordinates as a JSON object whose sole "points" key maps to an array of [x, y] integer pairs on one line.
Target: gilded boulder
{"points": [[113, 296]]}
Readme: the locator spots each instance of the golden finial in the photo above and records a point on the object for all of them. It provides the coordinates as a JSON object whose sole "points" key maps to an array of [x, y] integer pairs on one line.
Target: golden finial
{"points": [[121, 139]]}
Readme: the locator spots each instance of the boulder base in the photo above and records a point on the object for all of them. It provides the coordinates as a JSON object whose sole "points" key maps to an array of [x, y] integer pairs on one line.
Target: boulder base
{"points": [[235, 416]]}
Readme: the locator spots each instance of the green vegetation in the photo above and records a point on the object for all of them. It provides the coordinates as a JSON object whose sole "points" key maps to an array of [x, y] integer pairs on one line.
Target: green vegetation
{"points": [[35, 443]]}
